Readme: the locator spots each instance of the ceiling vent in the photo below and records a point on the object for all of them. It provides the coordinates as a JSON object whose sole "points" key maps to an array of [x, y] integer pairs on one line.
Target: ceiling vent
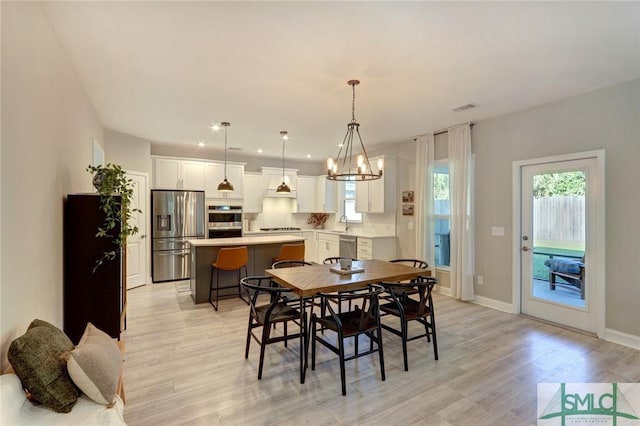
{"points": [[235, 148], [464, 107]]}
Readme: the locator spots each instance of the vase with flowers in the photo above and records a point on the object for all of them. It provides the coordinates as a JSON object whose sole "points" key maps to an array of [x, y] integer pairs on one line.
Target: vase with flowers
{"points": [[317, 219]]}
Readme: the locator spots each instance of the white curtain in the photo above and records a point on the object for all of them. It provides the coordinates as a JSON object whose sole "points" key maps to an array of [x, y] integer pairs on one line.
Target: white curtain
{"points": [[461, 197], [425, 224]]}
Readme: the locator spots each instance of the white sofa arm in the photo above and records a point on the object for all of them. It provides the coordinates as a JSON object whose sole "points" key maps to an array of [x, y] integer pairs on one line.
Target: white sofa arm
{"points": [[18, 410]]}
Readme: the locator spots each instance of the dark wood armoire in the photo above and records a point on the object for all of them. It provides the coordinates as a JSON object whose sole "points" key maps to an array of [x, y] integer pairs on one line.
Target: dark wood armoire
{"points": [[92, 296]]}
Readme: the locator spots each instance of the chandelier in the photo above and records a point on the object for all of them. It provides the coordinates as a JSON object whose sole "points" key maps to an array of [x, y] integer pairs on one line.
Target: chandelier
{"points": [[225, 185], [343, 167], [283, 187]]}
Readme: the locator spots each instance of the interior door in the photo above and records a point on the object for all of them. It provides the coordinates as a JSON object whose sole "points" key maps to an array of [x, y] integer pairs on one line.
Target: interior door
{"points": [[558, 229], [137, 244]]}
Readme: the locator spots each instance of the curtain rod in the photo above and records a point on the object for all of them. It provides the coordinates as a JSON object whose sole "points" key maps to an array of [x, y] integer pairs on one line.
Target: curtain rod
{"points": [[440, 132]]}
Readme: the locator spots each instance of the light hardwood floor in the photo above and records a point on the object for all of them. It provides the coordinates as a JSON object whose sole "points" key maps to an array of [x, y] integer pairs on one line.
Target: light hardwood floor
{"points": [[185, 364]]}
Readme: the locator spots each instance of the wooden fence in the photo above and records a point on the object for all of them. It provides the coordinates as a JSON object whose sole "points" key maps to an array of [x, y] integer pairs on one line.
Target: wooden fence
{"points": [[559, 218]]}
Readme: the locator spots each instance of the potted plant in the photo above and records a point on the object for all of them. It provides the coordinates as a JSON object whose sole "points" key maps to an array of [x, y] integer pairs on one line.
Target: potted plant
{"points": [[317, 219], [116, 195]]}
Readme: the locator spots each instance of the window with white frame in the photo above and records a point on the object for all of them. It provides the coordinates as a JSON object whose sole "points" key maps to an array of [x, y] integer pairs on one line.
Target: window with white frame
{"points": [[349, 203], [442, 213]]}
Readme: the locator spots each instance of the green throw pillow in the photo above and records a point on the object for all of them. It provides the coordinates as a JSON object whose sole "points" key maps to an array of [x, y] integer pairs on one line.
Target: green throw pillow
{"points": [[39, 360]]}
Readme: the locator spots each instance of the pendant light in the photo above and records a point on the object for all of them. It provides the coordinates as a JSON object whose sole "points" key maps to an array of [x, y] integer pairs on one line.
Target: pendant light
{"points": [[343, 167], [283, 188], [225, 185]]}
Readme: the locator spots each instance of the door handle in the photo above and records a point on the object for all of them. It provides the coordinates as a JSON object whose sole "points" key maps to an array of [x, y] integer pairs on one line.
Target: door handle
{"points": [[525, 248]]}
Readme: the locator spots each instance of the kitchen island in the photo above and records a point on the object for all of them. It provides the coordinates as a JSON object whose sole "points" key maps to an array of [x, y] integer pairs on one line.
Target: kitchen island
{"points": [[262, 249]]}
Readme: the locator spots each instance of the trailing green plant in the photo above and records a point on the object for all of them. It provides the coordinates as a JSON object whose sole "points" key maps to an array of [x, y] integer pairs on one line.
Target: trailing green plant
{"points": [[111, 180]]}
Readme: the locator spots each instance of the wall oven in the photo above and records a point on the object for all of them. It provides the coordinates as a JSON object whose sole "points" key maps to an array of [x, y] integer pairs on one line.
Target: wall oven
{"points": [[224, 221]]}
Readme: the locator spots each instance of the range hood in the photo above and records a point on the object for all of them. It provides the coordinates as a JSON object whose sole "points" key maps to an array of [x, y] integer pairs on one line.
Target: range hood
{"points": [[274, 183]]}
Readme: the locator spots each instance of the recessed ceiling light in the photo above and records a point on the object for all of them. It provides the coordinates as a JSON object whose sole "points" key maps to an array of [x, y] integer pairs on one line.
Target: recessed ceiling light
{"points": [[259, 150], [201, 144], [308, 155], [215, 127], [340, 145]]}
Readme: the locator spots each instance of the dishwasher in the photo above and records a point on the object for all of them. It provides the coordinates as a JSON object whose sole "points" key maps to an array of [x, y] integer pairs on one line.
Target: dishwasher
{"points": [[348, 246]]}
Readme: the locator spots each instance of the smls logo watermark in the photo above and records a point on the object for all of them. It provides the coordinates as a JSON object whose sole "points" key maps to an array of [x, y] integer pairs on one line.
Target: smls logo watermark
{"points": [[576, 404]]}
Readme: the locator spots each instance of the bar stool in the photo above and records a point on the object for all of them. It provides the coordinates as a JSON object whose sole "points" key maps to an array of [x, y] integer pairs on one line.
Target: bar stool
{"points": [[229, 259], [290, 252]]}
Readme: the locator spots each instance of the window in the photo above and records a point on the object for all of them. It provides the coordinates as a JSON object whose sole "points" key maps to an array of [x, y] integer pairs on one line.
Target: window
{"points": [[349, 203], [442, 212]]}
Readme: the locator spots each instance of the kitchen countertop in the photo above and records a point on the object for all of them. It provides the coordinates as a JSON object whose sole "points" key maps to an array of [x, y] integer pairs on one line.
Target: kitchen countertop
{"points": [[324, 231], [246, 241]]}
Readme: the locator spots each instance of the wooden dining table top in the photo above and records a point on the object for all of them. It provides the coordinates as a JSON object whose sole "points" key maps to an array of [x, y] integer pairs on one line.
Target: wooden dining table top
{"points": [[310, 280]]}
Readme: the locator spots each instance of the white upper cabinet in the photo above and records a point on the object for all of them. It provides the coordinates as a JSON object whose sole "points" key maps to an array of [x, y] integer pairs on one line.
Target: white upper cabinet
{"points": [[171, 173], [325, 195], [378, 196], [306, 192], [254, 187], [214, 174]]}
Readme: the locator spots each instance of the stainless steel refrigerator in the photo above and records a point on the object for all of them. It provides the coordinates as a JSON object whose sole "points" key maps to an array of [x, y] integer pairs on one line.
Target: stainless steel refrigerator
{"points": [[177, 216]]}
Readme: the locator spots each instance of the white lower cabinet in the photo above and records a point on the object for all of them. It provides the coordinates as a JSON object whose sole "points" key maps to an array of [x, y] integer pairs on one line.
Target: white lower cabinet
{"points": [[328, 246], [310, 246], [383, 248]]}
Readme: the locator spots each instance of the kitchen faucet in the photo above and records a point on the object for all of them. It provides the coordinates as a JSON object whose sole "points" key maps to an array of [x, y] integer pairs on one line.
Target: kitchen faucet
{"points": [[346, 222]]}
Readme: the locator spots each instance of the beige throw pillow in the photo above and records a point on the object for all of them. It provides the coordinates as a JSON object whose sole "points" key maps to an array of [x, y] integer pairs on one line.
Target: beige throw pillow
{"points": [[95, 365]]}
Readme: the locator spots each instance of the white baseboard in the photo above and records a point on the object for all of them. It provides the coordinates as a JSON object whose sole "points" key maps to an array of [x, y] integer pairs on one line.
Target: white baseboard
{"points": [[493, 304], [610, 335], [445, 291], [622, 338], [482, 301]]}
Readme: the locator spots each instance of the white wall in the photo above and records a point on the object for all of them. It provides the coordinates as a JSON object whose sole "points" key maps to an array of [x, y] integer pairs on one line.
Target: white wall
{"points": [[130, 152], [48, 125], [606, 118]]}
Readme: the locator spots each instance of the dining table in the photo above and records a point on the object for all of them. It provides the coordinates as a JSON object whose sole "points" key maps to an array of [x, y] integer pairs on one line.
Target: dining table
{"points": [[309, 281]]}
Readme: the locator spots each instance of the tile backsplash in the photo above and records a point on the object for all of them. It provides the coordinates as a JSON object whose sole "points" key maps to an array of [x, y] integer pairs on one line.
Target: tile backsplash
{"points": [[277, 212]]}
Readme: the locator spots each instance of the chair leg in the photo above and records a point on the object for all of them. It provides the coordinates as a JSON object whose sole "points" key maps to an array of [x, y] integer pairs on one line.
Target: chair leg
{"points": [[381, 352], [404, 327], [266, 328], [342, 369], [285, 333], [313, 342], [246, 350], [216, 290], [433, 331]]}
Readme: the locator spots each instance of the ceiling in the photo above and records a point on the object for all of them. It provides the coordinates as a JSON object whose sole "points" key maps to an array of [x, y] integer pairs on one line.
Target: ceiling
{"points": [[165, 71]]}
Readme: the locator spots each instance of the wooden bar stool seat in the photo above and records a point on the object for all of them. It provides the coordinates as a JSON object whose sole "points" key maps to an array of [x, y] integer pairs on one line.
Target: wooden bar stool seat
{"points": [[228, 259]]}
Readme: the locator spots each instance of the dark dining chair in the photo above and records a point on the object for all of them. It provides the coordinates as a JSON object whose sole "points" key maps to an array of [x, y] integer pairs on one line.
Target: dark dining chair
{"points": [[363, 319], [336, 259], [264, 315], [331, 261], [401, 302]]}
